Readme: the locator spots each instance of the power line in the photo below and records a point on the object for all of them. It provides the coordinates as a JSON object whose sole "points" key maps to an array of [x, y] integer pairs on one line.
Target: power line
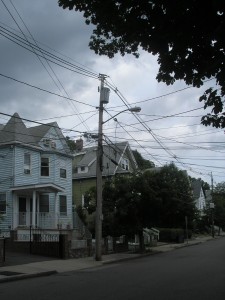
{"points": [[39, 49], [44, 90], [53, 58]]}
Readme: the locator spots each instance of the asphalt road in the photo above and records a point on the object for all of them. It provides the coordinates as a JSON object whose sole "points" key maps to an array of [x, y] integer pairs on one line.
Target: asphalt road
{"points": [[196, 272]]}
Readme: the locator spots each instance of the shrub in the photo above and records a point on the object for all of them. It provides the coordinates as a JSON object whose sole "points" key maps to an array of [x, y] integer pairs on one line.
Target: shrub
{"points": [[172, 235]]}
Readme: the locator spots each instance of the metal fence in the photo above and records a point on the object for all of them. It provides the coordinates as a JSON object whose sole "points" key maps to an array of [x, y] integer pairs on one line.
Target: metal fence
{"points": [[45, 243]]}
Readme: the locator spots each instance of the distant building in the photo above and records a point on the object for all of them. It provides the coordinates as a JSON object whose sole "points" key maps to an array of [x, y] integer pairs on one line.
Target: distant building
{"points": [[199, 196]]}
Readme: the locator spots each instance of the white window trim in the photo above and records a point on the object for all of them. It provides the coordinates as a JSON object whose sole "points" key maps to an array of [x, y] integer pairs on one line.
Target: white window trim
{"points": [[43, 156], [25, 166]]}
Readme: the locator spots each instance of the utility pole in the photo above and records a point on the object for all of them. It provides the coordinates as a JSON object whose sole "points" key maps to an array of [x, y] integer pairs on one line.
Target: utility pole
{"points": [[99, 168], [104, 99]]}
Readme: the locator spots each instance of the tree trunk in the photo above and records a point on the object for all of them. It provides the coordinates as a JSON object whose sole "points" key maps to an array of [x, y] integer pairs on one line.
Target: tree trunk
{"points": [[141, 240]]}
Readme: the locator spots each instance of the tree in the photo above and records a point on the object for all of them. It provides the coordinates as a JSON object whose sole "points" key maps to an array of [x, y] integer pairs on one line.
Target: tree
{"points": [[205, 184], [219, 201], [175, 194], [142, 163], [186, 36]]}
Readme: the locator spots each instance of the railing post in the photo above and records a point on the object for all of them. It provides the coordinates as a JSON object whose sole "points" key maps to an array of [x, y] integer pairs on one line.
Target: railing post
{"points": [[4, 241], [30, 239]]}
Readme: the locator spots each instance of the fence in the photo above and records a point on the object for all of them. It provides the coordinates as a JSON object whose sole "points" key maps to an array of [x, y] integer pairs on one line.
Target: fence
{"points": [[2, 251], [44, 243], [39, 241]]}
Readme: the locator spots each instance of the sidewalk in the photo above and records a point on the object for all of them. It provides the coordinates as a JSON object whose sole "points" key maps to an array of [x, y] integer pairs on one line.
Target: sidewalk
{"points": [[49, 267]]}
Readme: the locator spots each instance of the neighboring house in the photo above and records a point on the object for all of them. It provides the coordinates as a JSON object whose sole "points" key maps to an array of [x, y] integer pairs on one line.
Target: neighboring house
{"points": [[199, 196], [117, 159], [208, 196], [35, 176]]}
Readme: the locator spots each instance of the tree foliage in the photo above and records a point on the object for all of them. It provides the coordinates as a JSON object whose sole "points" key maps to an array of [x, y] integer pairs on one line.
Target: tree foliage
{"points": [[142, 163], [219, 201], [186, 36], [131, 203], [176, 197], [205, 184]]}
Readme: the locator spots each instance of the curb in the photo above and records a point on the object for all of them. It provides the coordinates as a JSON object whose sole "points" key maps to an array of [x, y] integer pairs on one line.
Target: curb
{"points": [[26, 276], [107, 262]]}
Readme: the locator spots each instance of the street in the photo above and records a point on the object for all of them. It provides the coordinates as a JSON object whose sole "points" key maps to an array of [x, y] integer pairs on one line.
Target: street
{"points": [[195, 272]]}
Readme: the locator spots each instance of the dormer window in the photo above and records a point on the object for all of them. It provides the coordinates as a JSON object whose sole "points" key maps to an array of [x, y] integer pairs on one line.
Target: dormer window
{"points": [[124, 164], [49, 143], [82, 169], [46, 142]]}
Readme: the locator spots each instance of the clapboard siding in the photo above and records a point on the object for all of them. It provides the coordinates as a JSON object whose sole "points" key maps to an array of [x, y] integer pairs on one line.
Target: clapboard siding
{"points": [[20, 177], [15, 183], [6, 180]]}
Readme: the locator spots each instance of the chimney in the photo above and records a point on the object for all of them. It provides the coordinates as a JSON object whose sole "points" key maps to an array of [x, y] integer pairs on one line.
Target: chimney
{"points": [[79, 144]]}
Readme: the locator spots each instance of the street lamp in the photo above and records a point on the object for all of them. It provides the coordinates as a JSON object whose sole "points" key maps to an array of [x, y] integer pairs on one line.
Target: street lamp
{"points": [[99, 168], [135, 109]]}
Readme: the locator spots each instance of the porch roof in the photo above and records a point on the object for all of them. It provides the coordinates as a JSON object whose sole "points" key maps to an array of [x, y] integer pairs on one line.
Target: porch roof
{"points": [[44, 188]]}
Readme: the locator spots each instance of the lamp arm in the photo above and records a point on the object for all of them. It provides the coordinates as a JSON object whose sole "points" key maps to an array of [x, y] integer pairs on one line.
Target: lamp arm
{"points": [[115, 115]]}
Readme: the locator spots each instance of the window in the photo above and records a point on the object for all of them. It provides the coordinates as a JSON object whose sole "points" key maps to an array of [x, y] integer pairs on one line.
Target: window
{"points": [[62, 173], [62, 205], [44, 166], [83, 169], [27, 163], [2, 203], [125, 164], [44, 203]]}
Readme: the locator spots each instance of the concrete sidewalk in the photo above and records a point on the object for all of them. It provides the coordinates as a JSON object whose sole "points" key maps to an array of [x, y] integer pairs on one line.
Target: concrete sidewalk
{"points": [[49, 267]]}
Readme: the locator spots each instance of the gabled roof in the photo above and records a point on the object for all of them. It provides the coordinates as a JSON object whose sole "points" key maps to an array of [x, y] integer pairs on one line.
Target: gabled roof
{"points": [[15, 131], [196, 187], [112, 155], [38, 132]]}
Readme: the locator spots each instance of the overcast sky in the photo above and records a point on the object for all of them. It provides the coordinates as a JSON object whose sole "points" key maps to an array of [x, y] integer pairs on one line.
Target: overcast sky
{"points": [[179, 138]]}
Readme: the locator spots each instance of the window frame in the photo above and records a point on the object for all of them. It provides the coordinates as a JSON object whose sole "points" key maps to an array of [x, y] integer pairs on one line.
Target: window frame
{"points": [[27, 166], [45, 198], [4, 201], [125, 164], [61, 174], [43, 168], [62, 212]]}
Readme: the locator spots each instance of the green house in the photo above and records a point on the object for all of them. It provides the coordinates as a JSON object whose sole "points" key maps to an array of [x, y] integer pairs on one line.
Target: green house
{"points": [[117, 159]]}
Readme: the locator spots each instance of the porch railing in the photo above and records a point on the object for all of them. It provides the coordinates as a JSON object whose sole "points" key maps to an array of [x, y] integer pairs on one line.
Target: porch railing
{"points": [[42, 220]]}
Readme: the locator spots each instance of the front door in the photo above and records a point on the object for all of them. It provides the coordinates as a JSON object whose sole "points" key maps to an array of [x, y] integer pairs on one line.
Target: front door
{"points": [[22, 211]]}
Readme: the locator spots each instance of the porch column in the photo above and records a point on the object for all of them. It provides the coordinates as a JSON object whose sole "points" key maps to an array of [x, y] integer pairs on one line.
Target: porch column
{"points": [[56, 211], [34, 209], [15, 211]]}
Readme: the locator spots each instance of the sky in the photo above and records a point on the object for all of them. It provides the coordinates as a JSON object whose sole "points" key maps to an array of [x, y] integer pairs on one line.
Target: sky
{"points": [[48, 73]]}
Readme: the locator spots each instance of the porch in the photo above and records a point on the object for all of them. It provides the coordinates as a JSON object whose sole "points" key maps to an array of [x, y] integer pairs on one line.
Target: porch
{"points": [[38, 206], [25, 220]]}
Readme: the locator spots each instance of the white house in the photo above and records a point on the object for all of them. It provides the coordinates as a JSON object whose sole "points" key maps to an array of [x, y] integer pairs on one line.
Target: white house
{"points": [[199, 196], [35, 176]]}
